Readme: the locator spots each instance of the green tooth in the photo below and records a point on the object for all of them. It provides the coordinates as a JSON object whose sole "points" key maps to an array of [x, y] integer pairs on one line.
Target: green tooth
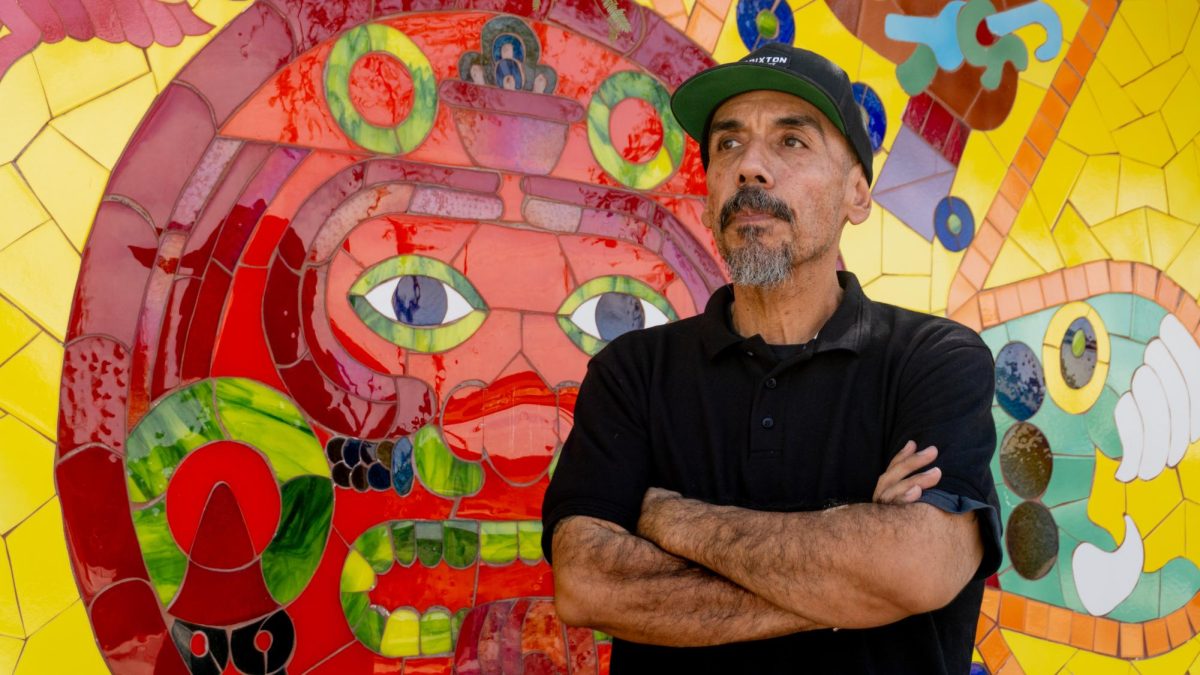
{"points": [[429, 542], [375, 545], [401, 635], [529, 540], [461, 542], [498, 541], [435, 632], [404, 542], [456, 623]]}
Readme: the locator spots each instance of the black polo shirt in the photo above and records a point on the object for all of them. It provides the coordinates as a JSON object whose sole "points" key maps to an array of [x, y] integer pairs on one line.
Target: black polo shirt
{"points": [[693, 407]]}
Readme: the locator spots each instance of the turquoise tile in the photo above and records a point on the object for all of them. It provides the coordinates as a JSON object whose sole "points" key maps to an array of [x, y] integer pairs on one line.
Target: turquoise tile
{"points": [[1067, 433], [1046, 589], [1179, 583], [1070, 480], [1115, 310], [1073, 522], [995, 338], [1147, 315], [1102, 428], [1126, 357], [1031, 329], [1142, 603]]}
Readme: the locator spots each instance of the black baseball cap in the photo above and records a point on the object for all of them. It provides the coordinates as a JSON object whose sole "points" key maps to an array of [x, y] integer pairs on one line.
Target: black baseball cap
{"points": [[775, 67]]}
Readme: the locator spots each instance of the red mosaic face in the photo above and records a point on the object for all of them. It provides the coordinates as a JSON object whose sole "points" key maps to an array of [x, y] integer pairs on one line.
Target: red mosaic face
{"points": [[331, 324]]}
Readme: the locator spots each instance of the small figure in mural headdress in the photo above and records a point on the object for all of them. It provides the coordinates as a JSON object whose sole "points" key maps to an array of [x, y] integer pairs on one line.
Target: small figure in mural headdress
{"points": [[508, 59]]}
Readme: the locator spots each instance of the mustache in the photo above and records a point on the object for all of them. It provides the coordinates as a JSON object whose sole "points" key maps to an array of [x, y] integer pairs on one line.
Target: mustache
{"points": [[756, 199]]}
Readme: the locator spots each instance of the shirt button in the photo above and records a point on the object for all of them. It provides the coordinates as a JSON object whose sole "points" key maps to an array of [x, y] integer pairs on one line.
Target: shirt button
{"points": [[768, 422], [771, 383], [749, 353]]}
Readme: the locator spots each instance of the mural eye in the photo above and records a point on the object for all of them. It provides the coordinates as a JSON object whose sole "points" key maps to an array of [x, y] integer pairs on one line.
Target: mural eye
{"points": [[606, 307], [418, 303]]}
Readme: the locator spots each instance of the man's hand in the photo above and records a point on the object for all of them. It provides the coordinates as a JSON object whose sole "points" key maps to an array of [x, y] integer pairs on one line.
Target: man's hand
{"points": [[898, 484]]}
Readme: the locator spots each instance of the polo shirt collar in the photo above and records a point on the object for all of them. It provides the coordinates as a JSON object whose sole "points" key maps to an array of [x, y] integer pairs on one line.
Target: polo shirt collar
{"points": [[844, 330]]}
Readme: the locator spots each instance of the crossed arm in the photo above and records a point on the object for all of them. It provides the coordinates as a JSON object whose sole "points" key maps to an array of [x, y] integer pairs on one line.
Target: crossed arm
{"points": [[699, 574]]}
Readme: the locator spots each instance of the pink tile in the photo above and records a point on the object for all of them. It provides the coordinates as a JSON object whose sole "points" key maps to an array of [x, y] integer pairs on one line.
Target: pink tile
{"points": [[988, 241], [1097, 277], [1145, 280], [1008, 302], [1188, 313], [1030, 293], [975, 267], [1054, 291], [1167, 293], [1076, 280], [1002, 214], [968, 315], [1120, 276], [988, 313], [961, 291]]}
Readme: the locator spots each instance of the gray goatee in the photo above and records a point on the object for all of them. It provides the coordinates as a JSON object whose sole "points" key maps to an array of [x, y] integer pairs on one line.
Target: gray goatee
{"points": [[755, 263]]}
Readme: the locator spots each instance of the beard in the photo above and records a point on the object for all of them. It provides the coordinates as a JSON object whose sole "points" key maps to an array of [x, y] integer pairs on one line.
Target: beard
{"points": [[755, 263]]}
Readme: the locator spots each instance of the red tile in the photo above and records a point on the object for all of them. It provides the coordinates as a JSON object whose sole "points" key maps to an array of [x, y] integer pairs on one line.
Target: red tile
{"points": [[280, 315], [92, 403], [113, 274], [1054, 290], [1030, 292], [1097, 277], [313, 22], [1132, 644], [665, 52], [1107, 641], [172, 339], [130, 630], [342, 413], [1120, 276], [1145, 280], [917, 111], [1157, 638], [1076, 281], [1008, 302], [589, 18], [989, 314], [1083, 631], [1168, 292]]}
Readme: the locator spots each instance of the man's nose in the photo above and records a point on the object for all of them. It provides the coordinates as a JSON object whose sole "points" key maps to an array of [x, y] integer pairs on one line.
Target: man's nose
{"points": [[753, 169]]}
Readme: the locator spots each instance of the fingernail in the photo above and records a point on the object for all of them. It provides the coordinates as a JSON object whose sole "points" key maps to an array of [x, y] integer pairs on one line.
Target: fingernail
{"points": [[925, 451]]}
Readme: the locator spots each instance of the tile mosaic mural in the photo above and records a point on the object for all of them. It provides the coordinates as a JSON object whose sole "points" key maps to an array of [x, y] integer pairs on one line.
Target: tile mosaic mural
{"points": [[295, 296]]}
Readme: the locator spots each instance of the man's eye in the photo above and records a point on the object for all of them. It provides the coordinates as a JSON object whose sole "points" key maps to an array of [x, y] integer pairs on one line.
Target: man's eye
{"points": [[727, 143], [793, 142]]}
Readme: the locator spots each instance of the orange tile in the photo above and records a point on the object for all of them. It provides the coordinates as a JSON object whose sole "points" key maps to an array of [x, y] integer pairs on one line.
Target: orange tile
{"points": [[1107, 632], [1001, 215], [988, 241], [1028, 161], [704, 27], [1132, 645], [1083, 631], [975, 267], [1178, 628], [1067, 82], [1042, 134], [991, 603], [1014, 188], [1145, 280], [988, 313], [1054, 108], [1188, 312], [1012, 612], [1193, 610], [1167, 293], [1120, 276], [1097, 277], [982, 626], [1080, 56], [1030, 292], [1037, 618], [1157, 641], [1104, 10], [961, 291], [1008, 302], [1060, 625], [1076, 280], [1011, 667], [968, 315], [1196, 334], [1053, 289], [1092, 30], [993, 650]]}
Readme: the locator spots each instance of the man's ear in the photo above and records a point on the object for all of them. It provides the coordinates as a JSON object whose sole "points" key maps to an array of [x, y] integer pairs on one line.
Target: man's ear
{"points": [[858, 195]]}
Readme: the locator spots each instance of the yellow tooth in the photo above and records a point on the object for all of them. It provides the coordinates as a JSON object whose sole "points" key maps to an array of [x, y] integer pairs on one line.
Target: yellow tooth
{"points": [[401, 634]]}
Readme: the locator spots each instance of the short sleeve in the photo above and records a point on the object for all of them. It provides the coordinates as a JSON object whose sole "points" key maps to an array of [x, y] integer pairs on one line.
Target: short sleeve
{"points": [[945, 401], [603, 469]]}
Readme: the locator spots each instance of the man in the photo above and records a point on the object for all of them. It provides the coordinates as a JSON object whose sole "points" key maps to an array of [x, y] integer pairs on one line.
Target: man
{"points": [[737, 494]]}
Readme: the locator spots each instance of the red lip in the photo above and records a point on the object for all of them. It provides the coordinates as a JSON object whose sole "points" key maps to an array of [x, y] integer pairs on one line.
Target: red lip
{"points": [[525, 388]]}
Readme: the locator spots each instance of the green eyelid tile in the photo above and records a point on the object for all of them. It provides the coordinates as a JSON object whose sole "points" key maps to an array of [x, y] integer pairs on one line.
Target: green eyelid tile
{"points": [[590, 344], [601, 636], [267, 420], [354, 605], [164, 561], [357, 574], [498, 542], [435, 632], [404, 542], [417, 338], [461, 543], [529, 540], [439, 470], [429, 542], [375, 545], [369, 627], [291, 558], [176, 425]]}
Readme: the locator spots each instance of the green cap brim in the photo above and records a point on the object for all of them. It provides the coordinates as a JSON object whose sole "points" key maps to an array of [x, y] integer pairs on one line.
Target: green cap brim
{"points": [[695, 100]]}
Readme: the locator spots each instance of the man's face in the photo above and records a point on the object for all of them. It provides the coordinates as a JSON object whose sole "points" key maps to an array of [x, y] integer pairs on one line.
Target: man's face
{"points": [[781, 181]]}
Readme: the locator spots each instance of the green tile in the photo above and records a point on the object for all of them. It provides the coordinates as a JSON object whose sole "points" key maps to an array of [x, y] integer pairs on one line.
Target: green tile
{"points": [[1116, 311], [291, 558], [369, 628], [266, 419], [995, 338], [1067, 433], [178, 424], [1102, 427], [1070, 594], [375, 545], [1126, 357], [404, 541], [529, 540], [164, 560], [1073, 521], [1046, 589], [1147, 316], [429, 542], [435, 632], [498, 542], [1070, 480], [1031, 329], [1180, 579], [1142, 603], [438, 468], [461, 542]]}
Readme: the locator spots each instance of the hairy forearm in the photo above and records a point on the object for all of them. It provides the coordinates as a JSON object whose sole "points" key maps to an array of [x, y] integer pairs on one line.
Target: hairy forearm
{"points": [[854, 566], [611, 580]]}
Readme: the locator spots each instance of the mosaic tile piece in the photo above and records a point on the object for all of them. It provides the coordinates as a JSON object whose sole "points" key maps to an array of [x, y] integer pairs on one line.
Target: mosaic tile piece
{"points": [[27, 381], [40, 567]]}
